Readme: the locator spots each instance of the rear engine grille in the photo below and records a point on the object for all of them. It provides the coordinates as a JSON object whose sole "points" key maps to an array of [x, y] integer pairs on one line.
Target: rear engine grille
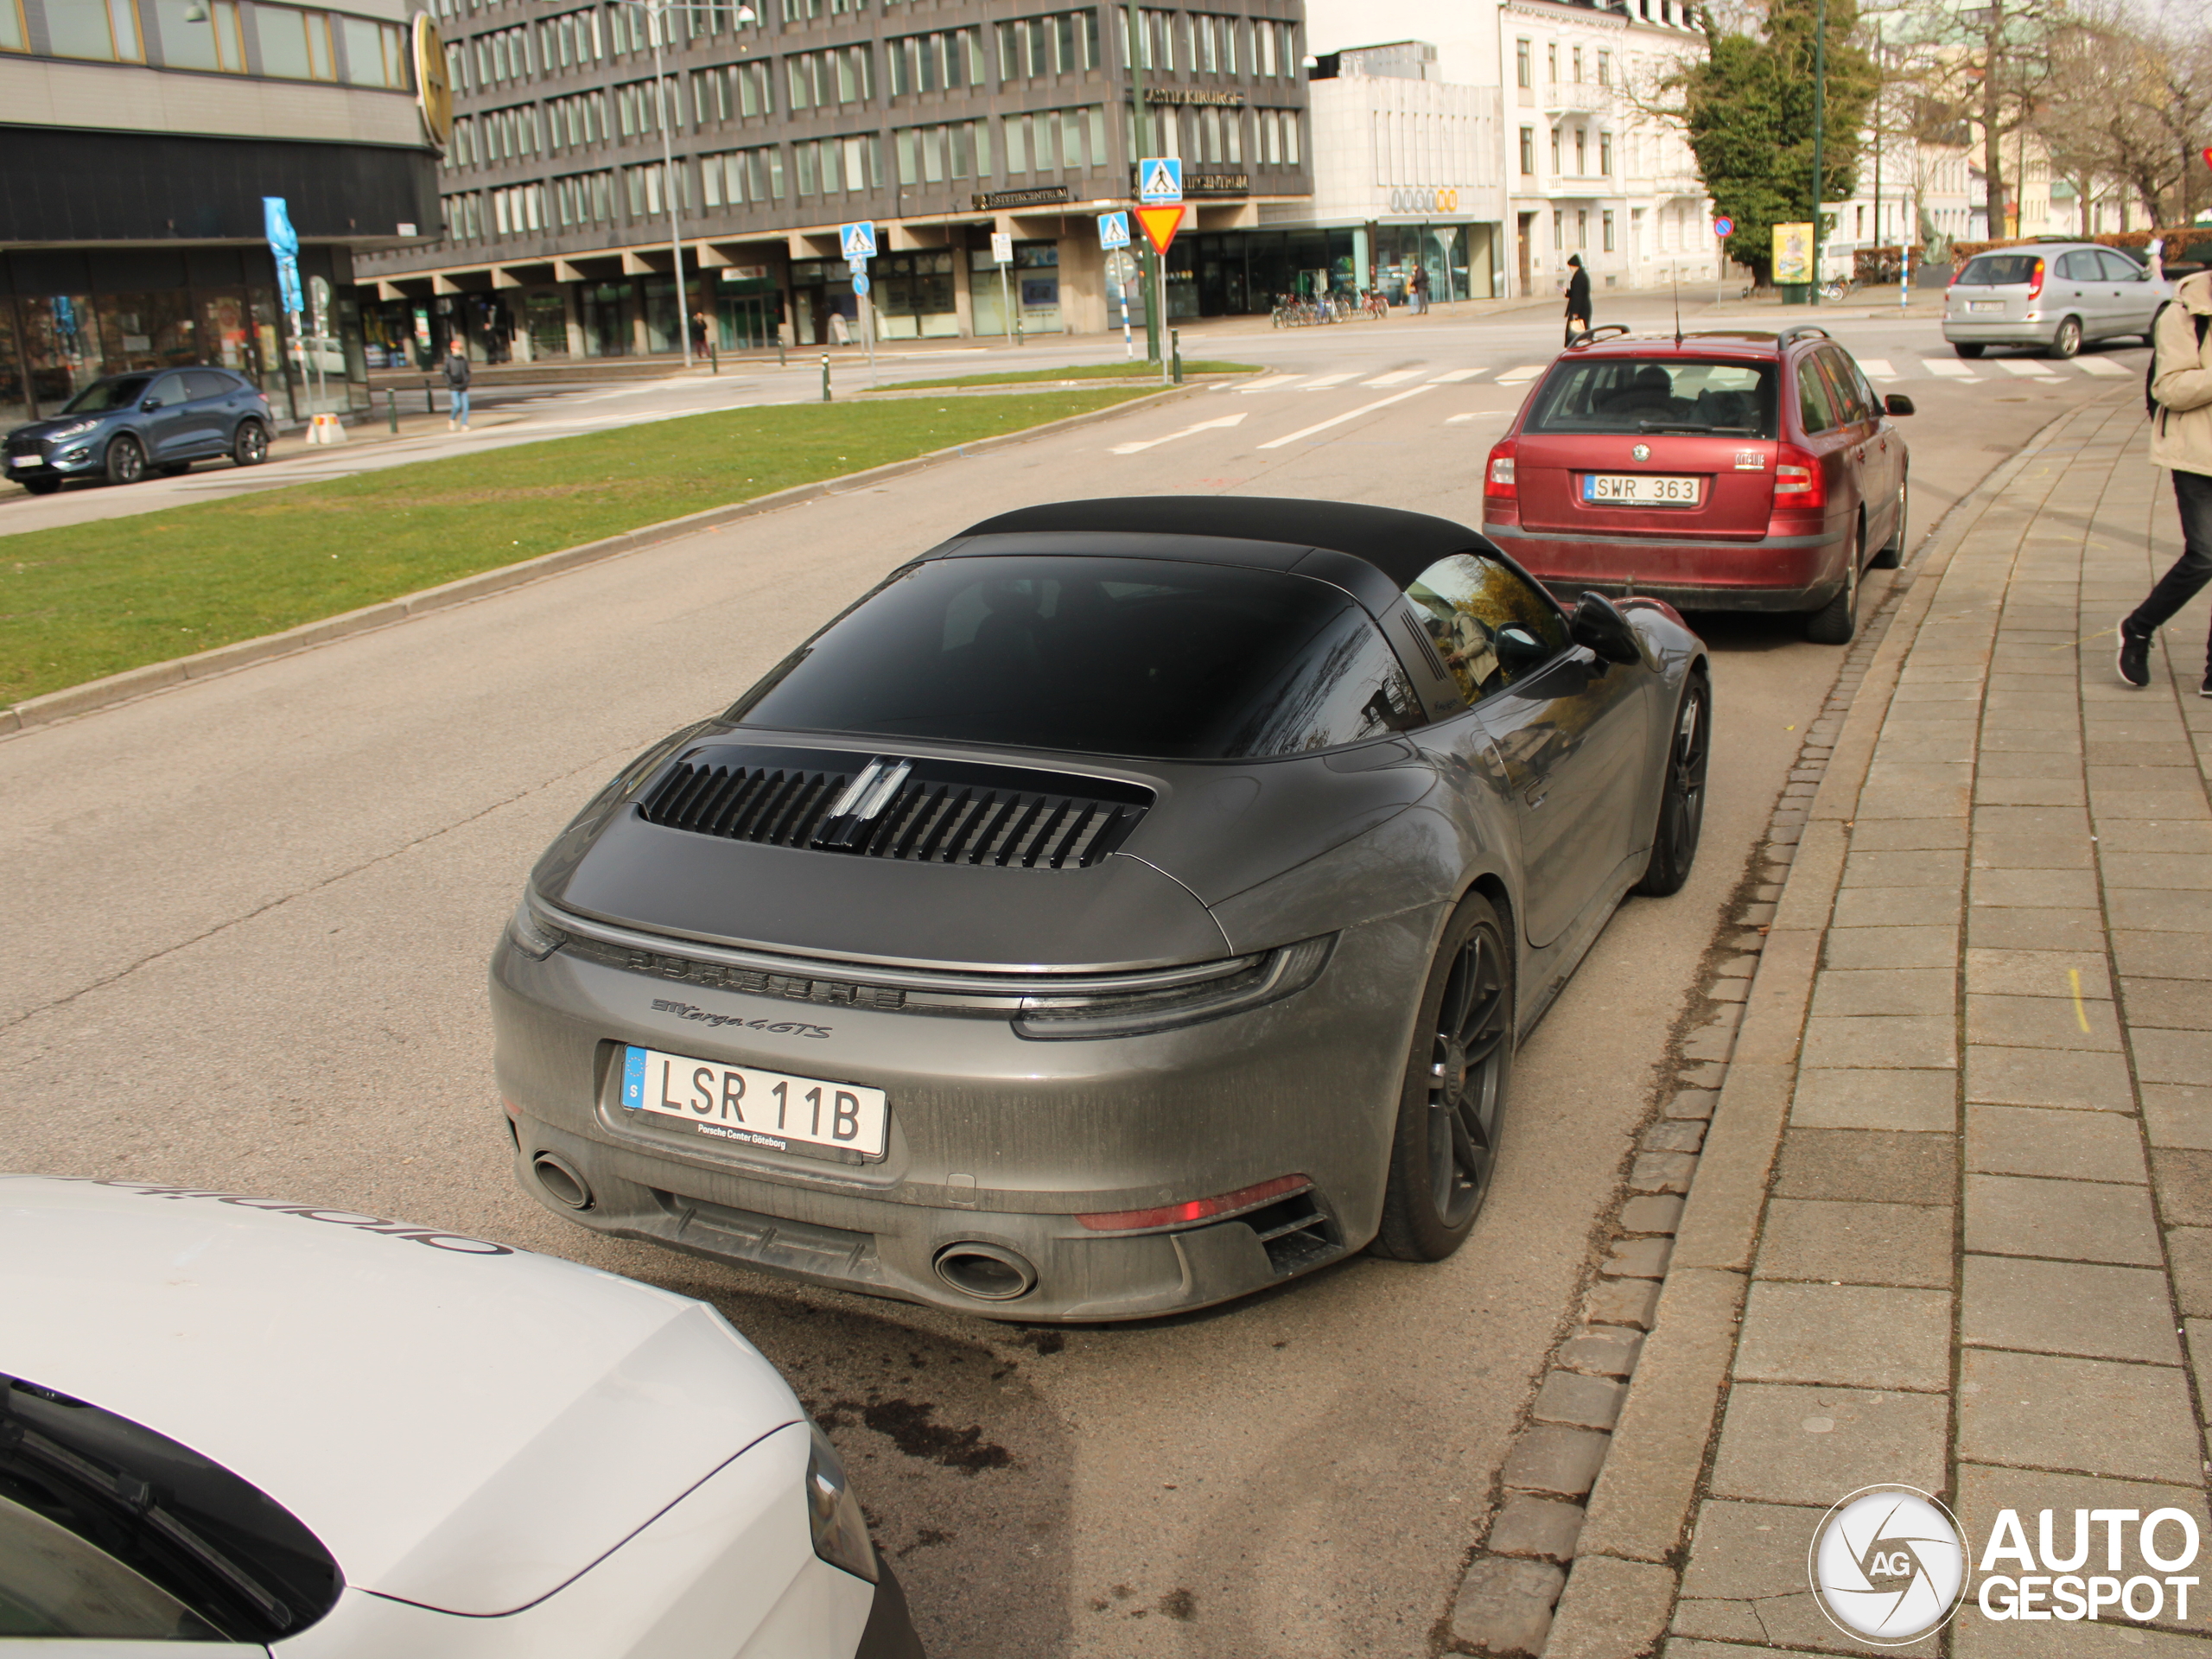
{"points": [[917, 810]]}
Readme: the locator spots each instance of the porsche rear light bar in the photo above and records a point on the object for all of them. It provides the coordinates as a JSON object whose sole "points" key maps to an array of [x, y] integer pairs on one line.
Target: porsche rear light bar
{"points": [[1215, 1209]]}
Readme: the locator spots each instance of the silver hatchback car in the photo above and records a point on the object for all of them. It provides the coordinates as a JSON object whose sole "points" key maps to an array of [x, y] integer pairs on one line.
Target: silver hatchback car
{"points": [[2054, 295]]}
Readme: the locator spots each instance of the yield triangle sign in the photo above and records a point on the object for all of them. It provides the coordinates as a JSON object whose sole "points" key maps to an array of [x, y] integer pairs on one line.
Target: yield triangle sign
{"points": [[1161, 225]]}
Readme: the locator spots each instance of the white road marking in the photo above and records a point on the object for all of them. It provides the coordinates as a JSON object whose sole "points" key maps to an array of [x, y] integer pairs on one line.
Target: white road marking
{"points": [[1272, 382], [1349, 414], [1877, 368], [1516, 376], [1237, 419], [2097, 366], [1948, 369], [1454, 375], [1395, 377], [1322, 382], [2027, 368], [1455, 420]]}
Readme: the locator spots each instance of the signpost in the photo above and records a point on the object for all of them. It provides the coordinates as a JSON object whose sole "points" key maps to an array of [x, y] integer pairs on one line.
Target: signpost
{"points": [[1724, 227], [1159, 196], [284, 245], [859, 243], [1002, 256], [1113, 238]]}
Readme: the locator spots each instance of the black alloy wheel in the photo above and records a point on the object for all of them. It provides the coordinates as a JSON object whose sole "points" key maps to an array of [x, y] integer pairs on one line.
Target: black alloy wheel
{"points": [[251, 447], [1891, 554], [2068, 340], [1452, 1106], [1681, 797], [126, 461]]}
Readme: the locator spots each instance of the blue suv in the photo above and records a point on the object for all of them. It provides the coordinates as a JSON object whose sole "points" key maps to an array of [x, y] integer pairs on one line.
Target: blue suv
{"points": [[118, 427]]}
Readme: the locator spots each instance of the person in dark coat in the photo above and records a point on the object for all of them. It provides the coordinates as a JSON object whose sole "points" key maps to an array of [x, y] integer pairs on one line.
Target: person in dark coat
{"points": [[457, 380], [1578, 297]]}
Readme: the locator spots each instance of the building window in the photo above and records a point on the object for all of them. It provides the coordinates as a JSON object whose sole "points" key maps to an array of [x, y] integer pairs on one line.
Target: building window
{"points": [[518, 210], [1523, 72], [376, 54], [733, 91], [818, 79], [1581, 229], [14, 37], [1581, 153], [1605, 154], [574, 122], [1605, 68], [1556, 169], [648, 197], [571, 42], [104, 29], [832, 166], [212, 41], [1065, 43], [1608, 224], [295, 45], [1559, 221], [584, 198], [1051, 141], [934, 155], [1528, 152], [636, 109], [1577, 61], [737, 177], [930, 63], [1551, 62]]}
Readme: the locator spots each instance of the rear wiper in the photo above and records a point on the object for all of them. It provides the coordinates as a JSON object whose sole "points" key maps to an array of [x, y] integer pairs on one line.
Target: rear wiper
{"points": [[1695, 426]]}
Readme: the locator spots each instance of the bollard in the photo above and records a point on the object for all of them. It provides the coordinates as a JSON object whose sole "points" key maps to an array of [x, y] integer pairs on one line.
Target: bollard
{"points": [[391, 407], [1175, 350], [825, 376], [782, 361]]}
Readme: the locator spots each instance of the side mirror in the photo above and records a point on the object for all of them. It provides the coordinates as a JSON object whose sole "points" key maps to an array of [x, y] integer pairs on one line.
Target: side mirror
{"points": [[1519, 650], [1898, 403], [151, 405], [1598, 625]]}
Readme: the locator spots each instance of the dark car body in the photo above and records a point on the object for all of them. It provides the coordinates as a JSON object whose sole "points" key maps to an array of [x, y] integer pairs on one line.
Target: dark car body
{"points": [[1792, 476], [120, 426], [1133, 954]]}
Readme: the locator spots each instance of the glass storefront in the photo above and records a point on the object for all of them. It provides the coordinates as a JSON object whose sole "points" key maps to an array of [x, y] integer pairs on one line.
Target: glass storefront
{"points": [[547, 320], [606, 308], [748, 310], [1032, 288], [914, 296]]}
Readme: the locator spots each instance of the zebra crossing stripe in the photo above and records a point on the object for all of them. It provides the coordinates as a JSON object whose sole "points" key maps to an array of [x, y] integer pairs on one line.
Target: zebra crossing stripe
{"points": [[1877, 368], [2098, 366], [1322, 382], [1451, 375], [1945, 369], [1395, 377], [2027, 368], [1520, 376], [1272, 382]]}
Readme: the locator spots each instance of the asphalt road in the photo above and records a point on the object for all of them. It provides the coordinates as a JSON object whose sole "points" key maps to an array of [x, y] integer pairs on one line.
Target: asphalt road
{"points": [[251, 916]]}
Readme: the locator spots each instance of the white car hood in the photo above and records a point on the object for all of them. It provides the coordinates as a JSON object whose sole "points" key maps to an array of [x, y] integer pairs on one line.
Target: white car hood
{"points": [[465, 1427]]}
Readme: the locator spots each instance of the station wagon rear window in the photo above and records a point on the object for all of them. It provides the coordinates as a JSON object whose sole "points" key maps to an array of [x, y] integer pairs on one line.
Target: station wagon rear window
{"points": [[1143, 657], [1657, 394], [1999, 270]]}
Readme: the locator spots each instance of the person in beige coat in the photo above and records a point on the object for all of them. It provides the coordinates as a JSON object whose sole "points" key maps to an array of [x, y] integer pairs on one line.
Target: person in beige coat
{"points": [[2181, 441]]}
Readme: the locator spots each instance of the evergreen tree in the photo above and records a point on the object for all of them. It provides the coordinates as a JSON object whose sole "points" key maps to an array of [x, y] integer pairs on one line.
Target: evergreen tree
{"points": [[1748, 107]]}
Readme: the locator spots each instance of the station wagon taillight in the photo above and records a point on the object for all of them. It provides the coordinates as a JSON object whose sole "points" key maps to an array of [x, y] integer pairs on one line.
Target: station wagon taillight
{"points": [[1798, 481], [1498, 478]]}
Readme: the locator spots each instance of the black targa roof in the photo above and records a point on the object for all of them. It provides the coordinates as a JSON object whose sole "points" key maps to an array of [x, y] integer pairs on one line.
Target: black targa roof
{"points": [[1400, 544]]}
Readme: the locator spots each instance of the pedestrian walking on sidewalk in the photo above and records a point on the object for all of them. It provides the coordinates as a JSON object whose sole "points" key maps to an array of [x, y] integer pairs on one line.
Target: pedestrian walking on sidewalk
{"points": [[1420, 286], [1578, 298], [2181, 441], [457, 379]]}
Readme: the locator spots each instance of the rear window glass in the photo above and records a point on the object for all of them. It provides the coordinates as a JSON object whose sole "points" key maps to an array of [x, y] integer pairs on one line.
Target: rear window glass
{"points": [[1141, 657], [2000, 270], [1631, 394]]}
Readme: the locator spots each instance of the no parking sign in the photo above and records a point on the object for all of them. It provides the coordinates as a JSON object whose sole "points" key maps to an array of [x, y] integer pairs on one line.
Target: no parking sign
{"points": [[1724, 228]]}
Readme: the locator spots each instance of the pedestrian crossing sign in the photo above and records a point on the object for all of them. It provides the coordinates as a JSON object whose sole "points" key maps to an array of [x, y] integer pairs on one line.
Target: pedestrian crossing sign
{"points": [[1160, 179], [1113, 230], [858, 240]]}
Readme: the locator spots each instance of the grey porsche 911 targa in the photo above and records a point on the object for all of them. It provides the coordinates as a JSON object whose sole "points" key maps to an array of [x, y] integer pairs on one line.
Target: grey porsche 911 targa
{"points": [[1127, 906]]}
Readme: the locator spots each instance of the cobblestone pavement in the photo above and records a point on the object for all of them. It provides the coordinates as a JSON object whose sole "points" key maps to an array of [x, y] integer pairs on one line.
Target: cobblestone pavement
{"points": [[1952, 1225]]}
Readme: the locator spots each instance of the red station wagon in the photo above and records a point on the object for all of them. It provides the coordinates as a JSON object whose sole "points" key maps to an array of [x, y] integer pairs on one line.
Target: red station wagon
{"points": [[1725, 471]]}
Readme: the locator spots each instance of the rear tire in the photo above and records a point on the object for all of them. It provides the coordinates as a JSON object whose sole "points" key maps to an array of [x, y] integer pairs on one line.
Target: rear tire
{"points": [[2067, 342], [1836, 622], [1451, 1105], [1964, 350], [251, 447], [126, 461], [1681, 797], [1891, 554]]}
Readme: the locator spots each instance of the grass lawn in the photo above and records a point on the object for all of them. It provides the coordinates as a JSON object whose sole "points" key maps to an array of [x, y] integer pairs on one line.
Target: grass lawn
{"points": [[1139, 370], [89, 600]]}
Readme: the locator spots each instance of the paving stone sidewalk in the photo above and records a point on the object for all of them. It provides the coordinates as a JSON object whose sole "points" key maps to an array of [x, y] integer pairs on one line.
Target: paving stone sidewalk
{"points": [[1983, 1263]]}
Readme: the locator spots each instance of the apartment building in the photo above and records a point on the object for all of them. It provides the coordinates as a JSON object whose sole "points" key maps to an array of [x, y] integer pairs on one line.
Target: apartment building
{"points": [[1585, 170], [940, 121]]}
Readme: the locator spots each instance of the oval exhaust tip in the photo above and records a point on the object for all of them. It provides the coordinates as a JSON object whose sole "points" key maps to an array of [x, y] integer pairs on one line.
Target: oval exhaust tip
{"points": [[989, 1272], [561, 1181]]}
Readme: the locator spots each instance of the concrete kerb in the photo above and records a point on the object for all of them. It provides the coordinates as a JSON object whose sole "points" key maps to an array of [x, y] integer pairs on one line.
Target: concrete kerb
{"points": [[132, 683], [1623, 1575]]}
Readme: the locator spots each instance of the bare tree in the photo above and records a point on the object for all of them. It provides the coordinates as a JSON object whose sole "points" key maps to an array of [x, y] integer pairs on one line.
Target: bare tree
{"points": [[2129, 100]]}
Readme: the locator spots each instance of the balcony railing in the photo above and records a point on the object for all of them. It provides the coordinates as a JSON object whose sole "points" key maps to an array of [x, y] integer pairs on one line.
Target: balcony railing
{"points": [[1577, 98]]}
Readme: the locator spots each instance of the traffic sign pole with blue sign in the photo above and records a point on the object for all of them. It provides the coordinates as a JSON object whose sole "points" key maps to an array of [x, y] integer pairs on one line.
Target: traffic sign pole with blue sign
{"points": [[1113, 238], [1724, 228], [858, 242], [1160, 184]]}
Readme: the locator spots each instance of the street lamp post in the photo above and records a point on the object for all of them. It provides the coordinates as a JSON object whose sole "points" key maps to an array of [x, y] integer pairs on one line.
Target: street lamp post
{"points": [[656, 11], [1819, 125]]}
